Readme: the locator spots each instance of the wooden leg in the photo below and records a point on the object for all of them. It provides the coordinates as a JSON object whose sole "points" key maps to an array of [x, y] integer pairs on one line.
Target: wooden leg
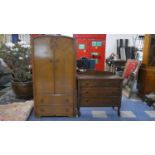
{"points": [[37, 115], [74, 114], [78, 110], [79, 114], [118, 112]]}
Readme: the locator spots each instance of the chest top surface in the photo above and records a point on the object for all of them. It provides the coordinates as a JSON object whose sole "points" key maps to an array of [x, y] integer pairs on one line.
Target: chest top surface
{"points": [[98, 77]]}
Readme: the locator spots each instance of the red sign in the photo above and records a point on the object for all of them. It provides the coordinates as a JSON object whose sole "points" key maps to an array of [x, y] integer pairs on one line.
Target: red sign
{"points": [[91, 46], [131, 66]]}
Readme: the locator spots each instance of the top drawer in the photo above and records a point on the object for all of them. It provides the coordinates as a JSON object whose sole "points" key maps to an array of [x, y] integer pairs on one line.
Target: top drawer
{"points": [[104, 83]]}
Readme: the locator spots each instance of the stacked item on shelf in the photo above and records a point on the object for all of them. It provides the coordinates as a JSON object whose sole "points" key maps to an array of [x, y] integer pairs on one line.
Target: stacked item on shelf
{"points": [[125, 52]]}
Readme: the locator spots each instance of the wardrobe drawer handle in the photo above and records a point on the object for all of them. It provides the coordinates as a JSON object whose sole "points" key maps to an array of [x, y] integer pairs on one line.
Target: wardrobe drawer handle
{"points": [[42, 110], [86, 84], [50, 60], [57, 60], [42, 101], [67, 110], [67, 100]]}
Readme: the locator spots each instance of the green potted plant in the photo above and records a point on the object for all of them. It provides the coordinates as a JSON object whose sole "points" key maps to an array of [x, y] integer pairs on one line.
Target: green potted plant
{"points": [[18, 58]]}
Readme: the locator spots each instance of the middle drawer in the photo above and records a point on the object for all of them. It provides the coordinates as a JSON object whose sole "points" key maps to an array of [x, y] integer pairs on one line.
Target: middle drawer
{"points": [[99, 91]]}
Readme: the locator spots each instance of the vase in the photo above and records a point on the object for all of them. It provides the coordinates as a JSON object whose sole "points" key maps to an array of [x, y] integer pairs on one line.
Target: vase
{"points": [[23, 90]]}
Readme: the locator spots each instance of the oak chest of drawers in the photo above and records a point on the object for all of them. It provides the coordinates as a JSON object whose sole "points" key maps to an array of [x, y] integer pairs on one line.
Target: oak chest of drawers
{"points": [[99, 90]]}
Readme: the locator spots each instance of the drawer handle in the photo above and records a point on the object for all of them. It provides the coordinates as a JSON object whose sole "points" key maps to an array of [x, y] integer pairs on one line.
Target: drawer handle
{"points": [[57, 61], [42, 101], [42, 110], [50, 60], [67, 100], [66, 109]]}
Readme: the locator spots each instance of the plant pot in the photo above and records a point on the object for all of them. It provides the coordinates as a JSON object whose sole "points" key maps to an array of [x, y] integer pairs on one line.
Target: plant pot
{"points": [[23, 90]]}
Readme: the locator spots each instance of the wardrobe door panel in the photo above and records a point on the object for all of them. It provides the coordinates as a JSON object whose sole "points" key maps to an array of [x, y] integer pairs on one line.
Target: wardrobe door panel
{"points": [[43, 66], [59, 69], [64, 71], [65, 50], [70, 68]]}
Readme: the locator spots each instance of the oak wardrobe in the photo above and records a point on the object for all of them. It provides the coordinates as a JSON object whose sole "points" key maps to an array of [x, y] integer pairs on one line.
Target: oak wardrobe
{"points": [[54, 75]]}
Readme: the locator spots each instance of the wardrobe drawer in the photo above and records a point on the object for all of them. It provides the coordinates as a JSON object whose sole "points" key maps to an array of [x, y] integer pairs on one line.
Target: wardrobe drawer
{"points": [[56, 110], [49, 99], [101, 83], [100, 92], [100, 102], [150, 73]]}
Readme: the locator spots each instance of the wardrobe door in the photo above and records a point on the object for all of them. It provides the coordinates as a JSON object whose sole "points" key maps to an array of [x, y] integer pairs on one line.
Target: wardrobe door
{"points": [[64, 70], [43, 66]]}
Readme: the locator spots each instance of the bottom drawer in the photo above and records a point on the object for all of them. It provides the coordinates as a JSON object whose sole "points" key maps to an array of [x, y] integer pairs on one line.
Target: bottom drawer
{"points": [[100, 102], [59, 110]]}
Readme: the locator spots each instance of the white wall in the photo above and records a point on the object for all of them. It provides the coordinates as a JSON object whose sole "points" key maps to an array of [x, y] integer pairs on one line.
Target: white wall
{"points": [[111, 42]]}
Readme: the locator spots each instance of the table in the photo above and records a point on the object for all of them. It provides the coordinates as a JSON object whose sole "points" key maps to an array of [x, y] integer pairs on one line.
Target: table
{"points": [[117, 64]]}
